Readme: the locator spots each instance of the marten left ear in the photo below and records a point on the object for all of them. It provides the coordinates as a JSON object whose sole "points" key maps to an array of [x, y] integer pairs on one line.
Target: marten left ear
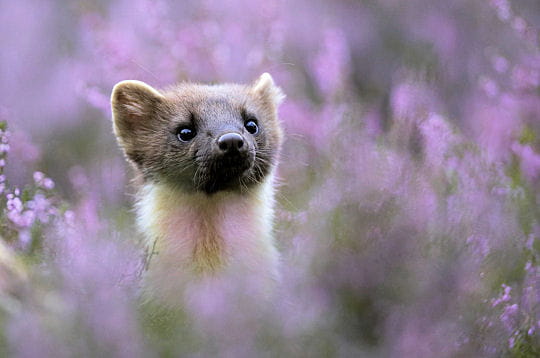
{"points": [[134, 104], [265, 88]]}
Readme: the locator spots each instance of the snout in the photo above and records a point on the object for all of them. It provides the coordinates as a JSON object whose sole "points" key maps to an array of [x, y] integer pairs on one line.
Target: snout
{"points": [[229, 162], [232, 152], [231, 143]]}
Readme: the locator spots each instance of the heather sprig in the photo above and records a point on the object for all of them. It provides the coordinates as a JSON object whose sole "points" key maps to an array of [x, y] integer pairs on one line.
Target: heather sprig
{"points": [[25, 211]]}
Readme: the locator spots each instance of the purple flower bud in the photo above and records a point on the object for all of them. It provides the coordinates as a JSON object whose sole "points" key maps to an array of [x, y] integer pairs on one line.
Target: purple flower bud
{"points": [[38, 177], [4, 148], [48, 184]]}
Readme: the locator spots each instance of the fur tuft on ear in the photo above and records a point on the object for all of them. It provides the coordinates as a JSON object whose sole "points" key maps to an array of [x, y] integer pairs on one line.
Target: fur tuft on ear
{"points": [[133, 104], [134, 98], [265, 88]]}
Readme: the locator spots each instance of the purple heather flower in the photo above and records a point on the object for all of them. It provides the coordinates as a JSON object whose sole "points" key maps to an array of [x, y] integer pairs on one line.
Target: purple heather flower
{"points": [[505, 297], [41, 206], [48, 184], [511, 342], [330, 67], [529, 160], [42, 181], [509, 317], [14, 203], [38, 177]]}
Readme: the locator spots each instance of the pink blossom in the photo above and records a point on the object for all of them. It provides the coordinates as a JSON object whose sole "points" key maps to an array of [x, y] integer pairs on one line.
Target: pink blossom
{"points": [[509, 317], [331, 64], [529, 160], [42, 181], [38, 177], [505, 297]]}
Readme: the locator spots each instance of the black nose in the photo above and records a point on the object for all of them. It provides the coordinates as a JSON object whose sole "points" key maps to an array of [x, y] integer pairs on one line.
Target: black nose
{"points": [[229, 142]]}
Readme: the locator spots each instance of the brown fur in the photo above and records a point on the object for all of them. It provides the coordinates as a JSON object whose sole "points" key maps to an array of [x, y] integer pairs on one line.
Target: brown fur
{"points": [[195, 219], [146, 120]]}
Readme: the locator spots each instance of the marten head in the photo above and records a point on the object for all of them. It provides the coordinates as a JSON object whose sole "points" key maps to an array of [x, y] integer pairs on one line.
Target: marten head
{"points": [[200, 137]]}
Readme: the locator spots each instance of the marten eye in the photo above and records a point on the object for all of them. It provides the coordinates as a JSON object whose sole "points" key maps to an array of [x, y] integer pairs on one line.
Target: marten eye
{"points": [[252, 127], [185, 134]]}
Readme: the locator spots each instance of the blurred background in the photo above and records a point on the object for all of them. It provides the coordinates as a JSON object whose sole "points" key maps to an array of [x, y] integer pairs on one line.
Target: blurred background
{"points": [[408, 215]]}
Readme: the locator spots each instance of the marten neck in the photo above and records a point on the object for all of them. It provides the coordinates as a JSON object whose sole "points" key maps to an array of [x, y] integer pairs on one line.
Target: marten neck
{"points": [[208, 235]]}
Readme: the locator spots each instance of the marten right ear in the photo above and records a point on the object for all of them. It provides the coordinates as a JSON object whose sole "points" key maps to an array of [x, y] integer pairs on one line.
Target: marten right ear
{"points": [[134, 107], [265, 89]]}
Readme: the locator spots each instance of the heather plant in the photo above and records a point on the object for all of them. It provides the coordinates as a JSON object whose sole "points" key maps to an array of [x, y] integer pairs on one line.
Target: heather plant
{"points": [[408, 216], [58, 273]]}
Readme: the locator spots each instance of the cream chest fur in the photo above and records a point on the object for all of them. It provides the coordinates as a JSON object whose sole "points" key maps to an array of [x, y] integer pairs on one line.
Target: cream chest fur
{"points": [[200, 238]]}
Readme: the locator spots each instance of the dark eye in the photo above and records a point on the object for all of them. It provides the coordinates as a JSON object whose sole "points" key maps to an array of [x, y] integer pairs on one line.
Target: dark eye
{"points": [[185, 134], [252, 126]]}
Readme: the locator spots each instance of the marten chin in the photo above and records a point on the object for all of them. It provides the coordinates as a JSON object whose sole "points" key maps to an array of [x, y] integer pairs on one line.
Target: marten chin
{"points": [[205, 157]]}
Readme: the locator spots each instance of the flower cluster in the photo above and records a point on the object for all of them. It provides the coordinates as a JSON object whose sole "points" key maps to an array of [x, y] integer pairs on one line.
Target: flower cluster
{"points": [[27, 208], [520, 315]]}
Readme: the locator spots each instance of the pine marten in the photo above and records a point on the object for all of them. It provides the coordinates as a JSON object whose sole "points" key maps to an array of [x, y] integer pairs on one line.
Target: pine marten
{"points": [[206, 156]]}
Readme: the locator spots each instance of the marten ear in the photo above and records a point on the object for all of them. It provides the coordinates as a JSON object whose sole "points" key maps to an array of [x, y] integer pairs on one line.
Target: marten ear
{"points": [[265, 89], [134, 106]]}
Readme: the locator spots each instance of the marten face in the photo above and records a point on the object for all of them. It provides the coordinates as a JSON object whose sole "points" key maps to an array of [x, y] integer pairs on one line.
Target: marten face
{"points": [[200, 137]]}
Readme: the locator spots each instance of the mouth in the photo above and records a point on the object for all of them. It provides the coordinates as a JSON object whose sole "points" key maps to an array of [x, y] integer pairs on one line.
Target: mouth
{"points": [[225, 172]]}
